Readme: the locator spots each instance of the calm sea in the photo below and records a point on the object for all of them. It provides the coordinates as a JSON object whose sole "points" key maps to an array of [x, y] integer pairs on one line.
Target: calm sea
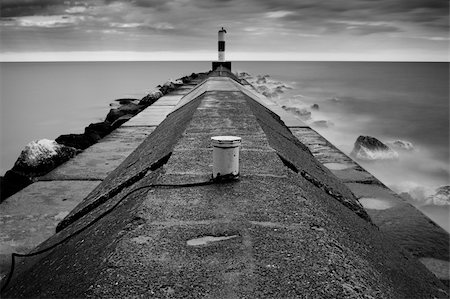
{"points": [[389, 101]]}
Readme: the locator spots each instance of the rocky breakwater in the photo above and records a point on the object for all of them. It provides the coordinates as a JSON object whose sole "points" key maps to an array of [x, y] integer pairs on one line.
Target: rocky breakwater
{"points": [[41, 156]]}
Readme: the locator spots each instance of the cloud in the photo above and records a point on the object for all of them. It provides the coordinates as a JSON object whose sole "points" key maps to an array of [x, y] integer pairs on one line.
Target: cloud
{"points": [[365, 28], [76, 9], [278, 14], [46, 21]]}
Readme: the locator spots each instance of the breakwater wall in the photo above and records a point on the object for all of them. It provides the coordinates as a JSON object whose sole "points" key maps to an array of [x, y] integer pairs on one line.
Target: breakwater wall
{"points": [[43, 197], [303, 220]]}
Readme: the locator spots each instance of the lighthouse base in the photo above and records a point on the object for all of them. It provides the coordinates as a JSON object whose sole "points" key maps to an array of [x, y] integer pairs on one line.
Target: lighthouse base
{"points": [[225, 64]]}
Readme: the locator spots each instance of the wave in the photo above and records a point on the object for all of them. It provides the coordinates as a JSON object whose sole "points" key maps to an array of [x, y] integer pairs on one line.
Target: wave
{"points": [[265, 85]]}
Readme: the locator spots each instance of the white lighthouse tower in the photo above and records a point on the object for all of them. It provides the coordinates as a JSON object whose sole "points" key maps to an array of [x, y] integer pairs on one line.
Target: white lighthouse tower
{"points": [[221, 45], [221, 50]]}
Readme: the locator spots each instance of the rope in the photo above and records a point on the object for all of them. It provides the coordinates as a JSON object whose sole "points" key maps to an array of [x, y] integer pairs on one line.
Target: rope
{"points": [[14, 255]]}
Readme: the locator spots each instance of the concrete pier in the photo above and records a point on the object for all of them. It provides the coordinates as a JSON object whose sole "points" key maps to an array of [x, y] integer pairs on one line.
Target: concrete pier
{"points": [[299, 223]]}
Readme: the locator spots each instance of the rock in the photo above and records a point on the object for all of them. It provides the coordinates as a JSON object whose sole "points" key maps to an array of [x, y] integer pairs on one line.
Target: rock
{"points": [[401, 145], [92, 136], [244, 75], [101, 129], [322, 123], [279, 89], [12, 182], [79, 141], [39, 157], [315, 106], [368, 148], [262, 79], [132, 109], [151, 97], [440, 198], [126, 101], [186, 79], [301, 112], [121, 120], [177, 82], [170, 85]]}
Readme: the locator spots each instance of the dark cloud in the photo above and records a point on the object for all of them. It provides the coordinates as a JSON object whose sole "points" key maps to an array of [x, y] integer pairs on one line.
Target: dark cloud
{"points": [[12, 8], [425, 13], [161, 5]]}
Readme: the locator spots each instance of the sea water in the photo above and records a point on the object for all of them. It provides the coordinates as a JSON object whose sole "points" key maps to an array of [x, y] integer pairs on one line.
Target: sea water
{"points": [[389, 101]]}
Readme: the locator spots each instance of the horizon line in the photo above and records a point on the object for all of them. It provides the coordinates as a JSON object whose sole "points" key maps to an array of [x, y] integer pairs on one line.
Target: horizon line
{"points": [[117, 56]]}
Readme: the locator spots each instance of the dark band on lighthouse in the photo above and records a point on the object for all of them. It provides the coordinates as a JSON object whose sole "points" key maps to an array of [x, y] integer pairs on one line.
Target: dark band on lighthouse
{"points": [[221, 46]]}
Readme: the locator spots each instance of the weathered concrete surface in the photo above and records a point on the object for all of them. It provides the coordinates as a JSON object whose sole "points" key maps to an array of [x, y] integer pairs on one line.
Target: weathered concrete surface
{"points": [[97, 161], [273, 233], [147, 157], [30, 216], [393, 215], [168, 100], [150, 117]]}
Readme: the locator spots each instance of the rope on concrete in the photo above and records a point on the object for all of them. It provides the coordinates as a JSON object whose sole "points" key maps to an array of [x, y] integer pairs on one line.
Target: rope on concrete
{"points": [[14, 255]]}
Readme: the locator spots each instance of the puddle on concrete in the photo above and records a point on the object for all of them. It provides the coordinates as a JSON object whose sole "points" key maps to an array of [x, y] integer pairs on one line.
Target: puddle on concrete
{"points": [[208, 239], [376, 203], [337, 166], [440, 268]]}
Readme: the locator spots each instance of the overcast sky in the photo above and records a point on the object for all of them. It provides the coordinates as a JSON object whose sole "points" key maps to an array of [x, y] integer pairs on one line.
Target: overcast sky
{"points": [[415, 30]]}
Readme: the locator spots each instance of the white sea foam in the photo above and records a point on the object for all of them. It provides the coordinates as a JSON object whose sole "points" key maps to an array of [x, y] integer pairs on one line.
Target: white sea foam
{"points": [[401, 145], [265, 85], [373, 155]]}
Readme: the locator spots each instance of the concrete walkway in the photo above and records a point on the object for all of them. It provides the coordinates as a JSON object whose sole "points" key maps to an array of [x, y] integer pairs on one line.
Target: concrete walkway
{"points": [[288, 228]]}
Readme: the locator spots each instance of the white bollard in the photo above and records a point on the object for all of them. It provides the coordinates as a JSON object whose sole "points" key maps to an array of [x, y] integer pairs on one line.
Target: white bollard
{"points": [[225, 156]]}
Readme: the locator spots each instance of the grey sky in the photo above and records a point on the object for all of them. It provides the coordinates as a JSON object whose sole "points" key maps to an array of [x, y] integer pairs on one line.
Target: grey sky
{"points": [[259, 29]]}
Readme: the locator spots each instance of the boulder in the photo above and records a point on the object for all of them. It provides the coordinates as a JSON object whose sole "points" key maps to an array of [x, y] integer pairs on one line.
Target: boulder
{"points": [[440, 198], [151, 97], [261, 79], [101, 129], [167, 87], [185, 79], [177, 82], [126, 101], [369, 148], [244, 75], [12, 182], [118, 122], [79, 141], [300, 112], [132, 109], [39, 157], [315, 106]]}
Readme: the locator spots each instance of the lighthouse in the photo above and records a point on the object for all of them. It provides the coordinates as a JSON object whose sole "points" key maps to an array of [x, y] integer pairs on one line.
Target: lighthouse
{"points": [[221, 51], [221, 44]]}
